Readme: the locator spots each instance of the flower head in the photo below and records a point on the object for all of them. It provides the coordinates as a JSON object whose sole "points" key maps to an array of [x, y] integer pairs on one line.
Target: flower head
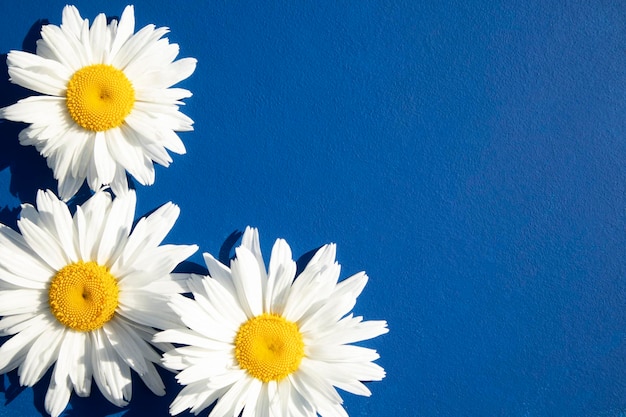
{"points": [[86, 292], [267, 344], [106, 106]]}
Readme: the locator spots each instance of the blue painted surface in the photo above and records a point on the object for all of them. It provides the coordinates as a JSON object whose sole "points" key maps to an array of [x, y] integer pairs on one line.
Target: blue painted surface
{"points": [[470, 156]]}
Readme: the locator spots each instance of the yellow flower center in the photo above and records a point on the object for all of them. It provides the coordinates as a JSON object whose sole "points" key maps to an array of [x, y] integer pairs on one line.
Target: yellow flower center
{"points": [[83, 296], [99, 97], [269, 347]]}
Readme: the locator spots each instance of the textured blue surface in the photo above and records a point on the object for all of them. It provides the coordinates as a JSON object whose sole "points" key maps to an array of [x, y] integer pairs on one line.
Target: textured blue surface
{"points": [[470, 156]]}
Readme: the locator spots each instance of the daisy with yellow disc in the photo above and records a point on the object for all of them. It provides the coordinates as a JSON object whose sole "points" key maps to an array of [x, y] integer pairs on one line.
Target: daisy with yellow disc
{"points": [[106, 105]]}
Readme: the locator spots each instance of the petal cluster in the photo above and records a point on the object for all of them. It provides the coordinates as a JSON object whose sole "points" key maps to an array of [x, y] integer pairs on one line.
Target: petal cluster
{"points": [[315, 300], [100, 231], [75, 153]]}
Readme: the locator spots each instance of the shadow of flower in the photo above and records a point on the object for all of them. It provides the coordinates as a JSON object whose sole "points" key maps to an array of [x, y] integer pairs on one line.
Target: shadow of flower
{"points": [[29, 171]]}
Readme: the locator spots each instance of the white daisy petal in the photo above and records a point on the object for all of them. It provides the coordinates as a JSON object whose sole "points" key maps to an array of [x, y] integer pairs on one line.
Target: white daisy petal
{"points": [[45, 245], [304, 299], [89, 227], [49, 67], [220, 273], [146, 333], [40, 83], [109, 330], [339, 303], [30, 212], [223, 304], [226, 379], [58, 394], [148, 233], [251, 398], [353, 386], [211, 365], [161, 260], [111, 376], [171, 141], [347, 375], [262, 407], [16, 258], [341, 353], [166, 97], [144, 68], [117, 228], [233, 400], [69, 185], [324, 256], [140, 142], [196, 397], [63, 48], [73, 362], [10, 325], [332, 410], [250, 240], [22, 301], [130, 155], [56, 214], [36, 73], [247, 280], [13, 350], [159, 55], [104, 163], [310, 385], [353, 329], [312, 288], [41, 354], [81, 373], [16, 281], [127, 344], [80, 225], [72, 21], [98, 42], [153, 380], [175, 283], [270, 345], [119, 185], [148, 312], [186, 399], [204, 399], [124, 30], [190, 337], [192, 316], [283, 398], [133, 46], [167, 75], [282, 271]]}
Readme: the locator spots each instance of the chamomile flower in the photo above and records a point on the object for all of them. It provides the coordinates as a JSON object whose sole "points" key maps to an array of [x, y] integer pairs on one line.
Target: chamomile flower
{"points": [[267, 344], [106, 106], [86, 292]]}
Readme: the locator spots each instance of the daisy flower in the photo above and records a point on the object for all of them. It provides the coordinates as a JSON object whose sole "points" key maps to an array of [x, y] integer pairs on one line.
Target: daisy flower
{"points": [[267, 344], [106, 105], [85, 292]]}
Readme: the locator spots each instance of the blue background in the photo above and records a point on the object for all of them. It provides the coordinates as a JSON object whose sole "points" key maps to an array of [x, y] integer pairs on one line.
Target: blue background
{"points": [[469, 155]]}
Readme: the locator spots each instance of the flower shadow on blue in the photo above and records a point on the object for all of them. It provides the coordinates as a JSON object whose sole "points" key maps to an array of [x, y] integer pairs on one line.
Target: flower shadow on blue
{"points": [[29, 171], [13, 389], [143, 403], [226, 253]]}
